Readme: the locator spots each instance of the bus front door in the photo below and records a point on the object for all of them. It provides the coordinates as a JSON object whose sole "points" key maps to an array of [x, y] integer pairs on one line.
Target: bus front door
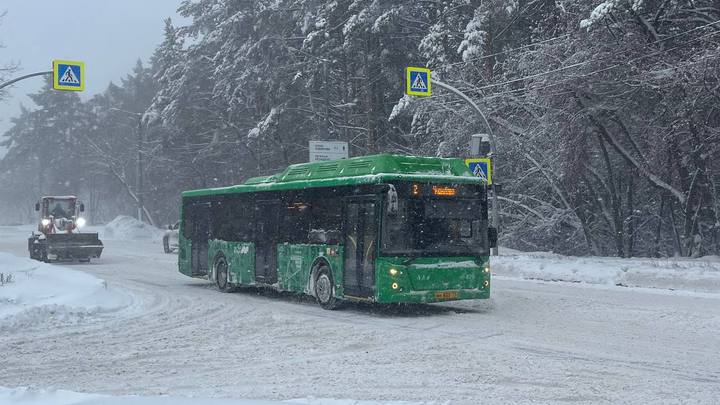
{"points": [[200, 234], [360, 247], [266, 236]]}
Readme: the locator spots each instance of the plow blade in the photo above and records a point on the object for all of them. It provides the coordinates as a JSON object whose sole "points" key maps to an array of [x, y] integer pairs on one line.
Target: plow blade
{"points": [[74, 245]]}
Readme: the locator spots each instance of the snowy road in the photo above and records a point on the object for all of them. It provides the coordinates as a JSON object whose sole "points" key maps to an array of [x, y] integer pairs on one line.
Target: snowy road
{"points": [[533, 342]]}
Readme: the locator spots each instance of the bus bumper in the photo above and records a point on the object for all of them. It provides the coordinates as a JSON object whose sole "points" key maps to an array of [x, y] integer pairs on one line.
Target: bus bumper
{"points": [[433, 296], [427, 280]]}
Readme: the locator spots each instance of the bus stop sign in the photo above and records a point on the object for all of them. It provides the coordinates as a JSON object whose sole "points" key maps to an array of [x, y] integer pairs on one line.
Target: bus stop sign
{"points": [[481, 167], [68, 75]]}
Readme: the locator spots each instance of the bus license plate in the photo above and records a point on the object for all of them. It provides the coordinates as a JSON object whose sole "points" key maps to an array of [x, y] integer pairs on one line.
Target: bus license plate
{"points": [[446, 295]]}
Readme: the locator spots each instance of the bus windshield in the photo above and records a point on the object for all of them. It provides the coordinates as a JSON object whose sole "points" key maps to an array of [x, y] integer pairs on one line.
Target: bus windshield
{"points": [[436, 227]]}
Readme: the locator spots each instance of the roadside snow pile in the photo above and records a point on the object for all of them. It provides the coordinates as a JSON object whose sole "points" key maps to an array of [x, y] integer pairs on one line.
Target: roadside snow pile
{"points": [[700, 275], [129, 228], [27, 396], [40, 292]]}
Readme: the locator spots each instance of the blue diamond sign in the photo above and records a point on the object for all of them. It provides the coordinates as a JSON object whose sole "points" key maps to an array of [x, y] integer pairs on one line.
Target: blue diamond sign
{"points": [[418, 82], [68, 75], [481, 167]]}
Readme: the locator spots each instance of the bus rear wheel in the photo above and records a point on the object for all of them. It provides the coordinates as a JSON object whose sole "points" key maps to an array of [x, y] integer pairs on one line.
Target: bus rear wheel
{"points": [[220, 269], [325, 288]]}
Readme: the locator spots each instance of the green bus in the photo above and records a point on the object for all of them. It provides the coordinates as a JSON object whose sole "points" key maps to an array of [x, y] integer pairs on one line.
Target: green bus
{"points": [[380, 228]]}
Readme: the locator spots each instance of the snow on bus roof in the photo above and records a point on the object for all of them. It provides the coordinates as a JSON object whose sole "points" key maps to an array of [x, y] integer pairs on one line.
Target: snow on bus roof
{"points": [[360, 170]]}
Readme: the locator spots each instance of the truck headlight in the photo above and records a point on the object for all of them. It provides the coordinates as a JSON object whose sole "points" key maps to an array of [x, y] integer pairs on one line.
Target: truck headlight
{"points": [[45, 222], [80, 222]]}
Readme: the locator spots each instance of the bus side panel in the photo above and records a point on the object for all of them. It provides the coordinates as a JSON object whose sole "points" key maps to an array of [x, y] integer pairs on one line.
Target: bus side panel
{"points": [[184, 252], [295, 264], [240, 257]]}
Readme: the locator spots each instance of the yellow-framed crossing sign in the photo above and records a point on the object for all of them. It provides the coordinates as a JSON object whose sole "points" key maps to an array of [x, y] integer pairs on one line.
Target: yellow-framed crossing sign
{"points": [[418, 81], [68, 75], [481, 167]]}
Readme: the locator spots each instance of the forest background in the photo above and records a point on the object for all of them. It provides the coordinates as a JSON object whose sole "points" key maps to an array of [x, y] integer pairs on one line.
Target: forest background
{"points": [[605, 114]]}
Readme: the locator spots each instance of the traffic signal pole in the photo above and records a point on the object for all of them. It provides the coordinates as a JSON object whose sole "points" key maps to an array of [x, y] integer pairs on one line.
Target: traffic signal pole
{"points": [[47, 73], [495, 213]]}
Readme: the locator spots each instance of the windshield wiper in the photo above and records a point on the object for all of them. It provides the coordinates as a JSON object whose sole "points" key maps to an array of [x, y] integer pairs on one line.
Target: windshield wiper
{"points": [[411, 259]]}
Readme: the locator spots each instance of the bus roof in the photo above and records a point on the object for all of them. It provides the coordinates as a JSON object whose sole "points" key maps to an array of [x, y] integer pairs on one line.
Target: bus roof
{"points": [[355, 171]]}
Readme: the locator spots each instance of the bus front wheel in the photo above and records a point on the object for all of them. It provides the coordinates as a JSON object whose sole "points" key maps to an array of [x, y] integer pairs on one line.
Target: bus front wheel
{"points": [[221, 274], [325, 288]]}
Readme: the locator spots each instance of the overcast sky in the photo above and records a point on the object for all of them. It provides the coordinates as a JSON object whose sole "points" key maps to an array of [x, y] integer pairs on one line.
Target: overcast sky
{"points": [[109, 36]]}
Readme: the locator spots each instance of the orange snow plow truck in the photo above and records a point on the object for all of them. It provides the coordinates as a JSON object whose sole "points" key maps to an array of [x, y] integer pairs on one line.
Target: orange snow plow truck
{"points": [[59, 233]]}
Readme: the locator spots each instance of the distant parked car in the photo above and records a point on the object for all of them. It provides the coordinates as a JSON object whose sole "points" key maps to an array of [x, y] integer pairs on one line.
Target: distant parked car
{"points": [[170, 239]]}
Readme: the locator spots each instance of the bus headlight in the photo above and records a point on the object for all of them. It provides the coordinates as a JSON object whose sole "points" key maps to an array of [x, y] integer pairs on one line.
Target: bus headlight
{"points": [[487, 269], [80, 222], [486, 283], [394, 272], [395, 286], [45, 222]]}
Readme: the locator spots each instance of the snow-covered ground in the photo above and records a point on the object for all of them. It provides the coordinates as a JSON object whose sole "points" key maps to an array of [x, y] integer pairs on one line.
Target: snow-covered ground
{"points": [[129, 228], [25, 396], [535, 341], [40, 293], [693, 275]]}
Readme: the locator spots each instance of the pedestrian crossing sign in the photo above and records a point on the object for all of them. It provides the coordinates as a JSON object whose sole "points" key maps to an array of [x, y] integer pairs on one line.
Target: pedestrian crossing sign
{"points": [[481, 167], [68, 75], [418, 82]]}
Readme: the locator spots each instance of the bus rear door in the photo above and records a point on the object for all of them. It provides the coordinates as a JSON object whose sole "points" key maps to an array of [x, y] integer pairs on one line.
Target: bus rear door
{"points": [[200, 234], [266, 237]]}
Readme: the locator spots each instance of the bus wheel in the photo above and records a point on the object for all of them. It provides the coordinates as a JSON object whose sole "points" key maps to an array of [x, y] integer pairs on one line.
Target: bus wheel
{"points": [[221, 274], [325, 288]]}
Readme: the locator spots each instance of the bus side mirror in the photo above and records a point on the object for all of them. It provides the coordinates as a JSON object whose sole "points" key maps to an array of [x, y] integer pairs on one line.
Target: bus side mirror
{"points": [[492, 237], [82, 207], [37, 206], [392, 196]]}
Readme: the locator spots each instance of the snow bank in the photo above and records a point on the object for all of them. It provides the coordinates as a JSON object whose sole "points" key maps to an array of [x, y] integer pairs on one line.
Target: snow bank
{"points": [[129, 228], [699, 275], [26, 396], [41, 292]]}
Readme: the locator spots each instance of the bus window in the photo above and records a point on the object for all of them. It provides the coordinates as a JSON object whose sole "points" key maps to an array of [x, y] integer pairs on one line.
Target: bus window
{"points": [[233, 219], [435, 227], [188, 222], [294, 222], [326, 221]]}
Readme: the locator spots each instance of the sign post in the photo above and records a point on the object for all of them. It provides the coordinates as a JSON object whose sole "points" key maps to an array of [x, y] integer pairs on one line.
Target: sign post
{"points": [[68, 75], [418, 83], [328, 150]]}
